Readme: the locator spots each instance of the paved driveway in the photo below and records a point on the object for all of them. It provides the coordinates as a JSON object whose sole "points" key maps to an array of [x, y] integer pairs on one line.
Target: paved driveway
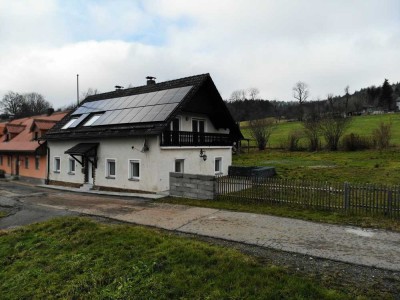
{"points": [[376, 248]]}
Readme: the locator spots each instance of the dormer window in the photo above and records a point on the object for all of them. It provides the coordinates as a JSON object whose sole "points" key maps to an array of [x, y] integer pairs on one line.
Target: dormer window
{"points": [[35, 135], [93, 119], [70, 122]]}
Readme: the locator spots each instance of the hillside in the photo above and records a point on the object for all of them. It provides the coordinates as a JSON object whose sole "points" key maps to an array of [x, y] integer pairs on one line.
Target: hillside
{"points": [[362, 125]]}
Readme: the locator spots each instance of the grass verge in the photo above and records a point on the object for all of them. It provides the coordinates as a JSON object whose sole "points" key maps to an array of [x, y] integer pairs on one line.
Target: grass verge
{"points": [[78, 258], [293, 212]]}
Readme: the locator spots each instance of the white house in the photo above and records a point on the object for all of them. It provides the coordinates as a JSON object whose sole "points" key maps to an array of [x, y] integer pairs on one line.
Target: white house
{"points": [[133, 138]]}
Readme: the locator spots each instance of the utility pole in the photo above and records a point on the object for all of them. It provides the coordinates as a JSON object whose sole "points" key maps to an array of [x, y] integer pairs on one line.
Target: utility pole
{"points": [[77, 89]]}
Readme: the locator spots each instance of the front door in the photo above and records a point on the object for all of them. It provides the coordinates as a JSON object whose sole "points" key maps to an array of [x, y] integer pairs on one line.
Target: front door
{"points": [[90, 171]]}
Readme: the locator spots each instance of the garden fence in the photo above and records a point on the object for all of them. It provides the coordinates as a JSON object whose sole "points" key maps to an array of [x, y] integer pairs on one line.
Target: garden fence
{"points": [[359, 199]]}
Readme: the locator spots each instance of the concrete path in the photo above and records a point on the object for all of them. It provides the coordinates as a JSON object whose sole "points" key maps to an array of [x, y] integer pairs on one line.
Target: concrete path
{"points": [[376, 248]]}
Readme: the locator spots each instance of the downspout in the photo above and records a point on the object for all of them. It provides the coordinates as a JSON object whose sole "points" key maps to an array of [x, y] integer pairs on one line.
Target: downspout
{"points": [[47, 180]]}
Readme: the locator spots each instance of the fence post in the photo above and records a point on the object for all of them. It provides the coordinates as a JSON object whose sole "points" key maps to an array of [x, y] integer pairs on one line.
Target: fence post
{"points": [[346, 195], [389, 207]]}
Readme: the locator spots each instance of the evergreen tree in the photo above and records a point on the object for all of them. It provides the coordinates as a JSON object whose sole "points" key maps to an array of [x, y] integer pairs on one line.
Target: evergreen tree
{"points": [[386, 96]]}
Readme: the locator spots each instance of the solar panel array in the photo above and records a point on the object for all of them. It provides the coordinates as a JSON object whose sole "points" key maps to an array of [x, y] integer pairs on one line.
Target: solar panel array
{"points": [[148, 107]]}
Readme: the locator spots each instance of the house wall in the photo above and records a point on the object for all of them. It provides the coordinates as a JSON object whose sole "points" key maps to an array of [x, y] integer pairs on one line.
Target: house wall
{"points": [[186, 123], [155, 164], [25, 172]]}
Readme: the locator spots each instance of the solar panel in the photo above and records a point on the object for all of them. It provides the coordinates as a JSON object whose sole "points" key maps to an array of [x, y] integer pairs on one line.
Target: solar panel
{"points": [[147, 107], [168, 96], [79, 120], [146, 99], [166, 111], [133, 112], [123, 114], [157, 97], [142, 113], [100, 121], [155, 110]]}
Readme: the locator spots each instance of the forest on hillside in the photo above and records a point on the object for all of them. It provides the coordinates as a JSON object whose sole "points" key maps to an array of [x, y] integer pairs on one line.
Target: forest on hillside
{"points": [[245, 105]]}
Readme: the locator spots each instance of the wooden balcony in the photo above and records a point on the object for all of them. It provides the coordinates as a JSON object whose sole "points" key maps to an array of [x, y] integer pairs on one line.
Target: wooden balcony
{"points": [[188, 138]]}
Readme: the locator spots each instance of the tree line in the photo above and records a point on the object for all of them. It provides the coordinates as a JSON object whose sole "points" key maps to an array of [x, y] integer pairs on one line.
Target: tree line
{"points": [[15, 105], [246, 105]]}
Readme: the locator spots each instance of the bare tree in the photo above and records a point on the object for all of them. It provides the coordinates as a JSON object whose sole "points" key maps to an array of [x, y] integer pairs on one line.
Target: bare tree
{"points": [[261, 130], [329, 98], [89, 92], [36, 104], [346, 98], [332, 128], [301, 93], [312, 130], [253, 92], [12, 103]]}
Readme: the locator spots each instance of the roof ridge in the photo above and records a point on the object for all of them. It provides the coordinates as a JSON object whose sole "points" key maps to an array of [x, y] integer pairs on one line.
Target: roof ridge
{"points": [[148, 88]]}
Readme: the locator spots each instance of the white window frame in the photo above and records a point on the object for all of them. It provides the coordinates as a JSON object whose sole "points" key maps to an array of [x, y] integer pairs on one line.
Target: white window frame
{"points": [[55, 164], [130, 175], [71, 162], [182, 165], [70, 122], [199, 119], [108, 175], [218, 172], [92, 119]]}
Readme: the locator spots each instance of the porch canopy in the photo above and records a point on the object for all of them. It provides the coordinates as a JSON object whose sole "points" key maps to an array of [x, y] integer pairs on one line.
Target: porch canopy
{"points": [[85, 150]]}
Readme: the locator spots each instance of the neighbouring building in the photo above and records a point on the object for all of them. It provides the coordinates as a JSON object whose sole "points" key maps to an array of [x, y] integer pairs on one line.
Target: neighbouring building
{"points": [[21, 153], [133, 138]]}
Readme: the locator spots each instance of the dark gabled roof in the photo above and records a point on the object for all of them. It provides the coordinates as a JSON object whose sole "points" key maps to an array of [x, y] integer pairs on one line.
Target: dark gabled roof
{"points": [[83, 149], [144, 110]]}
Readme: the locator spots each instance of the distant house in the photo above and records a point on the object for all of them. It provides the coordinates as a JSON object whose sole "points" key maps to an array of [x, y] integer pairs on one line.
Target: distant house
{"points": [[133, 138], [21, 154]]}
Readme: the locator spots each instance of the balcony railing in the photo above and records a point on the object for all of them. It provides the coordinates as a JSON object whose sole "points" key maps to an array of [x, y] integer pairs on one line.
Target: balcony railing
{"points": [[188, 138]]}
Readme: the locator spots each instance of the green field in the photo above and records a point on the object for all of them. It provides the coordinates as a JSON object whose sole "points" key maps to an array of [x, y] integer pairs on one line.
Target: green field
{"points": [[362, 125], [370, 166], [75, 258]]}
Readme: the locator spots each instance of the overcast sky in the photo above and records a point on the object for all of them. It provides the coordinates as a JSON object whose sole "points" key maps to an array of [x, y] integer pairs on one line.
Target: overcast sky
{"points": [[265, 44]]}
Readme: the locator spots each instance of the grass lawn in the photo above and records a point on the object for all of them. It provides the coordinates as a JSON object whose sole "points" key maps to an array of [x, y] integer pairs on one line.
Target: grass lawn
{"points": [[77, 258], [371, 166]]}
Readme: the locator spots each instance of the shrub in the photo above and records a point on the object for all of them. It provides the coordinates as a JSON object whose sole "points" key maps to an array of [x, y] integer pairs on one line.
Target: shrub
{"points": [[292, 143], [354, 142], [260, 130], [312, 129], [382, 135], [332, 129]]}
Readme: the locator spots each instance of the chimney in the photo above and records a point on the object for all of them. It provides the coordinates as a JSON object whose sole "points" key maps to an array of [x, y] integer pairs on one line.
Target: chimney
{"points": [[50, 111], [150, 80]]}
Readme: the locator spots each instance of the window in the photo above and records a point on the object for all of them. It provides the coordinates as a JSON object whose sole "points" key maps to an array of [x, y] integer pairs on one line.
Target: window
{"points": [[69, 123], [57, 165], [1, 160], [36, 135], [26, 162], [134, 169], [9, 161], [218, 165], [71, 166], [198, 125], [92, 120], [175, 124], [37, 162], [110, 168], [179, 165]]}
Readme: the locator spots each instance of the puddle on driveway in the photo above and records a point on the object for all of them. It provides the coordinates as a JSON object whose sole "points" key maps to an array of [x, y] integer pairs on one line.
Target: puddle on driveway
{"points": [[361, 232]]}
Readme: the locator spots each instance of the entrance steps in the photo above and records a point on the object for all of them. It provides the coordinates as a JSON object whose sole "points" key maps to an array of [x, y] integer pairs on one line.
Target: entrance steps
{"points": [[86, 187]]}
